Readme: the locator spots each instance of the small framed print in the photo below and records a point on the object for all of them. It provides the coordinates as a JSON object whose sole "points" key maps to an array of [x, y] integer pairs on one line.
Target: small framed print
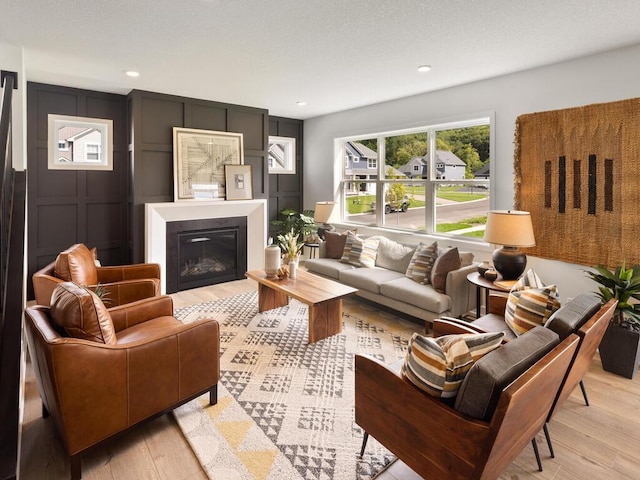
{"points": [[239, 183]]}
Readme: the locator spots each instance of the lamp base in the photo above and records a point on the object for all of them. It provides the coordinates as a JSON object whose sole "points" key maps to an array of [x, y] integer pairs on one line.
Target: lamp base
{"points": [[509, 262], [325, 227]]}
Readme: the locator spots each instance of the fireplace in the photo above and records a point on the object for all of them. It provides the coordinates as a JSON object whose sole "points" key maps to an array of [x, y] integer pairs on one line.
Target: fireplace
{"points": [[205, 252]]}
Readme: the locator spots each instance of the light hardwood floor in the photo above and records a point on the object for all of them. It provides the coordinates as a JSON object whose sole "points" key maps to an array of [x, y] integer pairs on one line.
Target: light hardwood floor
{"points": [[596, 442]]}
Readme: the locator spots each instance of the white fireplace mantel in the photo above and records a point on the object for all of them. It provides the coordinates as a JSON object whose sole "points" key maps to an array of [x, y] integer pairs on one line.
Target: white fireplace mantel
{"points": [[158, 214]]}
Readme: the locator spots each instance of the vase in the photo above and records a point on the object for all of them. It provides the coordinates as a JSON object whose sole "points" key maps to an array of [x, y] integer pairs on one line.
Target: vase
{"points": [[272, 260], [293, 268]]}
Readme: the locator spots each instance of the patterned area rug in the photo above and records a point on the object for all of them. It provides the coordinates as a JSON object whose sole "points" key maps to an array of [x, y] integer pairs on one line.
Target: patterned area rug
{"points": [[286, 408]]}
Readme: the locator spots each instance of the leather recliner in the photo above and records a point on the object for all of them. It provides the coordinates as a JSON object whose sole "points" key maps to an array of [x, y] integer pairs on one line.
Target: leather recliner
{"points": [[118, 284], [100, 372]]}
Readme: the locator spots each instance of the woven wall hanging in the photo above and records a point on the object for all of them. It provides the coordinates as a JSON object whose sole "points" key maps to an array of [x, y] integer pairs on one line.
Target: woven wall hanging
{"points": [[578, 172]]}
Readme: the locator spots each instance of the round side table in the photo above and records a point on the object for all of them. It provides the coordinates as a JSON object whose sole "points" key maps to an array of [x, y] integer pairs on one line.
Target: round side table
{"points": [[488, 286]]}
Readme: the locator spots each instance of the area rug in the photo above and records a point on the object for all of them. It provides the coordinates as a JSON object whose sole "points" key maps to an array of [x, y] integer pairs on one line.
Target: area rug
{"points": [[286, 408]]}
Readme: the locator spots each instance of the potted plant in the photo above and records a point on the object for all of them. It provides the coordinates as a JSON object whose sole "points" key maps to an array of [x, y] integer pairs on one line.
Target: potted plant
{"points": [[620, 346], [301, 224]]}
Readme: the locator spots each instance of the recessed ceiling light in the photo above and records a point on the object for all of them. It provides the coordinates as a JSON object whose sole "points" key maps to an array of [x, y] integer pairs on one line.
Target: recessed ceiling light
{"points": [[132, 73], [424, 68], [301, 103]]}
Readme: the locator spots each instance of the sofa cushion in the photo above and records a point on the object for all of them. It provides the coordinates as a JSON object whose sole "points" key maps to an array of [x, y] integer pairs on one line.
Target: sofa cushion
{"points": [[492, 322], [81, 314], [76, 264], [421, 263], [328, 267], [363, 252], [334, 244], [393, 255], [369, 279], [421, 296], [479, 393], [438, 365], [445, 263], [572, 316]]}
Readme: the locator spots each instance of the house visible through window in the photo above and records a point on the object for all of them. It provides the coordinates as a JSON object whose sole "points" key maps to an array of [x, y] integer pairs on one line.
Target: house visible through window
{"points": [[424, 178]]}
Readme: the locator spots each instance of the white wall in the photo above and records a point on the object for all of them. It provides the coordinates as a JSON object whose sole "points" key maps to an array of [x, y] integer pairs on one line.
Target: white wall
{"points": [[11, 60], [605, 77]]}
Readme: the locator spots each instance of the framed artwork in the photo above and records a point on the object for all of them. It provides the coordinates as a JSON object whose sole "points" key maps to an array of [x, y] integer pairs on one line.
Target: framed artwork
{"points": [[199, 160], [79, 143], [239, 182], [282, 155]]}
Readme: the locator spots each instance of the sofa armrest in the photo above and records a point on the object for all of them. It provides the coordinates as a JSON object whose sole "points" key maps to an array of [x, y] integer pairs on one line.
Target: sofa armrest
{"points": [[128, 272], [453, 326], [497, 303], [460, 290], [128, 315], [43, 286]]}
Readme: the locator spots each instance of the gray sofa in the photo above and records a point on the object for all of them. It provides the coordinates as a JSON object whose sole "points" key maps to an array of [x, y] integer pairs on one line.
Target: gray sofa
{"points": [[387, 284]]}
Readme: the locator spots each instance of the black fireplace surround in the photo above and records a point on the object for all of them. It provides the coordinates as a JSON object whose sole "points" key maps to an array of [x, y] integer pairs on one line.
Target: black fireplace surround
{"points": [[205, 252]]}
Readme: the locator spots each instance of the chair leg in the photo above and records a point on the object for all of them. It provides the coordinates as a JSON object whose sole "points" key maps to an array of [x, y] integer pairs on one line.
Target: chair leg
{"points": [[584, 393], [213, 395], [535, 450], [364, 443], [548, 437], [45, 412], [76, 469]]}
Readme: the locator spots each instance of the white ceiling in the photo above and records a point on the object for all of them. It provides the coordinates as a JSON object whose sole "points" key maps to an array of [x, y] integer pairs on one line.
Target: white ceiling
{"points": [[333, 54]]}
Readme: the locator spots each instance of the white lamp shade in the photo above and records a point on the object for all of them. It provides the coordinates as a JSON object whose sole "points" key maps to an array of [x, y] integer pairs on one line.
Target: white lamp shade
{"points": [[323, 211], [511, 228]]}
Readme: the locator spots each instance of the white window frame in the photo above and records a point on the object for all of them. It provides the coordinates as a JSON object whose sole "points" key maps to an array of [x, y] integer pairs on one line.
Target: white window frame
{"points": [[372, 163], [86, 152], [431, 181]]}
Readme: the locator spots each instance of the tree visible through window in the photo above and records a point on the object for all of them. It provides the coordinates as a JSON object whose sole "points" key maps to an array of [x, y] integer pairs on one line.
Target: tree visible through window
{"points": [[432, 179]]}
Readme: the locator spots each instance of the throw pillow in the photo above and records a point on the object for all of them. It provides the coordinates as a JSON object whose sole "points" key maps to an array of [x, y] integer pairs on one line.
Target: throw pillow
{"points": [[438, 365], [363, 252], [530, 303], [334, 244], [351, 237], [445, 263], [393, 255], [77, 264], [81, 314], [421, 263]]}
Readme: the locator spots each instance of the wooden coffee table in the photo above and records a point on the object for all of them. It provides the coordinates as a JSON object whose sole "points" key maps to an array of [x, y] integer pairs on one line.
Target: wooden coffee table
{"points": [[323, 296]]}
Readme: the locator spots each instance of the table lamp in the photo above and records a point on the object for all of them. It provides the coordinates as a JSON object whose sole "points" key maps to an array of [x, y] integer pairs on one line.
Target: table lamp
{"points": [[512, 229], [322, 214]]}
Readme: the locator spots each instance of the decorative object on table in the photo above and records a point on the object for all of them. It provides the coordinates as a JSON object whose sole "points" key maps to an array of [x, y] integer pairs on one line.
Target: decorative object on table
{"points": [[620, 346], [490, 274], [322, 215], [272, 259], [483, 267], [199, 157], [576, 168], [511, 229], [282, 155], [291, 246], [239, 182], [301, 223]]}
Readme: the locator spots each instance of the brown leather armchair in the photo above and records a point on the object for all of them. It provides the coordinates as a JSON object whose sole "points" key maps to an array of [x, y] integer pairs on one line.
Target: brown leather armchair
{"points": [[119, 284], [100, 372]]}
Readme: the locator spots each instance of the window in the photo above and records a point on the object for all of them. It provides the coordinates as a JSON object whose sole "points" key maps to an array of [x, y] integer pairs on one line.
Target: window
{"points": [[92, 152], [424, 181], [62, 145]]}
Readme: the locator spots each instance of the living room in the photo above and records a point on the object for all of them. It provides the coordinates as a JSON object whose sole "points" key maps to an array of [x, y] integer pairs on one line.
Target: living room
{"points": [[607, 73]]}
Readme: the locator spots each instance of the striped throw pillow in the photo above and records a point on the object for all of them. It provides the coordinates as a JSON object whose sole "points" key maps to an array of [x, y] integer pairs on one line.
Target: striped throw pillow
{"points": [[530, 303], [351, 237], [438, 365], [363, 252], [421, 263]]}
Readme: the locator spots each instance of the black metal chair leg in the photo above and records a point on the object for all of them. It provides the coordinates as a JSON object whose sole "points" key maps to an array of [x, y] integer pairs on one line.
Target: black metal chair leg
{"points": [[584, 393], [535, 450], [45, 412], [548, 437], [76, 471], [364, 443], [213, 395]]}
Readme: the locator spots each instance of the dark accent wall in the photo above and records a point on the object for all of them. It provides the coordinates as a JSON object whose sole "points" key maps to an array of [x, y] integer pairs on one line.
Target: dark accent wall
{"points": [[285, 191], [69, 206], [152, 117]]}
